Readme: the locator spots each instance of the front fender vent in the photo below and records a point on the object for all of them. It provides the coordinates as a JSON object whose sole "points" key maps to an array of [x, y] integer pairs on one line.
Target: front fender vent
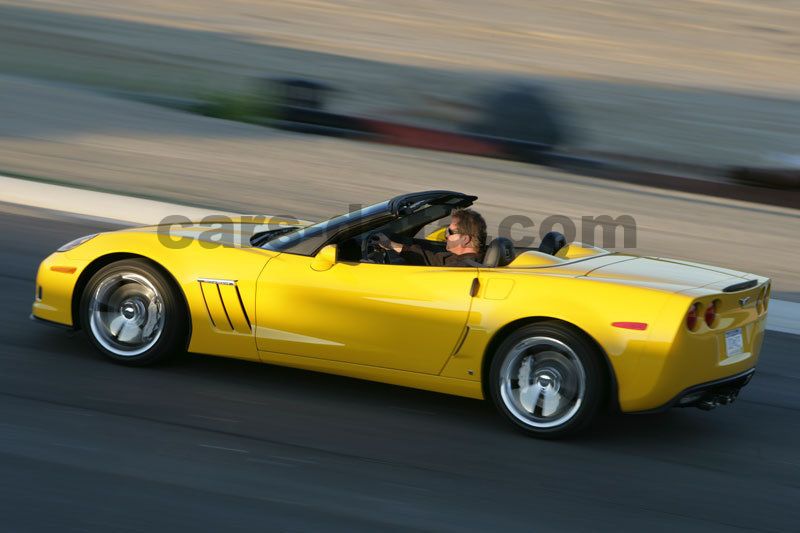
{"points": [[225, 306]]}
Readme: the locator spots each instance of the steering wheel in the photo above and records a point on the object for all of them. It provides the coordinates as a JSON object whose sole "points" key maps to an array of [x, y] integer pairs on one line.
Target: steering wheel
{"points": [[372, 251]]}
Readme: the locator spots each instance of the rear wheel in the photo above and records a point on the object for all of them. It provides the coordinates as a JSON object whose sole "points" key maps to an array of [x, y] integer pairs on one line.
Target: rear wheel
{"points": [[548, 380], [132, 313]]}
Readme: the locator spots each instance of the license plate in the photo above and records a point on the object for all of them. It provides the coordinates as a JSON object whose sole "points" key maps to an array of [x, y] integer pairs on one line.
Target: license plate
{"points": [[733, 341]]}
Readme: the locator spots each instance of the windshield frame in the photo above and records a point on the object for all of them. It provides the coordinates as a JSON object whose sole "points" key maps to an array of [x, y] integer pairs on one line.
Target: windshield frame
{"points": [[309, 239]]}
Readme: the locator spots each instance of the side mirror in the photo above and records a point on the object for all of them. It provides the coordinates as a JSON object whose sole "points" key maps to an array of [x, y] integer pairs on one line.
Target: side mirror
{"points": [[325, 258]]}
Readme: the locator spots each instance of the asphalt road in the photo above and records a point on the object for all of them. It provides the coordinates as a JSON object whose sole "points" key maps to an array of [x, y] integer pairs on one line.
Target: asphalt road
{"points": [[209, 444]]}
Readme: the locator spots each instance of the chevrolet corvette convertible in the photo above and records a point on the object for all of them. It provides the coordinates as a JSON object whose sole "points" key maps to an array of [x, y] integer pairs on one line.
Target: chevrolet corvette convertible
{"points": [[551, 335]]}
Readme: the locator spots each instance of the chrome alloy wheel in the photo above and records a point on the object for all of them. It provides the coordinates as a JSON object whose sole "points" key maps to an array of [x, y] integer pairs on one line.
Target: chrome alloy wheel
{"points": [[126, 314], [542, 382]]}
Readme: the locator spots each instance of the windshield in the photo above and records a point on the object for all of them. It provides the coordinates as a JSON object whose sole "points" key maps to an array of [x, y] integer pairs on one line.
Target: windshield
{"points": [[306, 241]]}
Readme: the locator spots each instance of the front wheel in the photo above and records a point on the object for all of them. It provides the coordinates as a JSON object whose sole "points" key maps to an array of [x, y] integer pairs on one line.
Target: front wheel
{"points": [[132, 313], [548, 380]]}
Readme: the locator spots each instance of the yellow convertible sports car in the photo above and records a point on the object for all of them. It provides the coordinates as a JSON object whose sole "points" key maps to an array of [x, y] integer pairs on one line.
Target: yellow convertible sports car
{"points": [[552, 335]]}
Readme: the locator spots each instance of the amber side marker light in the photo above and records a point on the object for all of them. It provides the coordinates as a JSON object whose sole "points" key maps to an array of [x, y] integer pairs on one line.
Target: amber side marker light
{"points": [[639, 326], [63, 270]]}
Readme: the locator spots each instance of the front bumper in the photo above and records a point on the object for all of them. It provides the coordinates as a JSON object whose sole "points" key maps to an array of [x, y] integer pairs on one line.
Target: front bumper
{"points": [[63, 327], [55, 284]]}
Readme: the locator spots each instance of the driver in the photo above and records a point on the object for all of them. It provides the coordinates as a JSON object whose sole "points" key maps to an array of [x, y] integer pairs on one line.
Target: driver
{"points": [[466, 237]]}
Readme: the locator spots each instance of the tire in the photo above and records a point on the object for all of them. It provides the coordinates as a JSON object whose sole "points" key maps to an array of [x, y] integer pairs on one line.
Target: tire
{"points": [[133, 314], [565, 382]]}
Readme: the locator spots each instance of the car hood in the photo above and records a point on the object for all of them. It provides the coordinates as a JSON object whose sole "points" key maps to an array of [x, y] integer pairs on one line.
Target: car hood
{"points": [[223, 230]]}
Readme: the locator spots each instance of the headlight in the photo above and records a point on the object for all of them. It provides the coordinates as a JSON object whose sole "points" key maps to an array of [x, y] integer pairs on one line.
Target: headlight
{"points": [[77, 242]]}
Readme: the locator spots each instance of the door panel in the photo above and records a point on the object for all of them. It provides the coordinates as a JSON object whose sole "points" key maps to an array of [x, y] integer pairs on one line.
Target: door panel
{"points": [[391, 316]]}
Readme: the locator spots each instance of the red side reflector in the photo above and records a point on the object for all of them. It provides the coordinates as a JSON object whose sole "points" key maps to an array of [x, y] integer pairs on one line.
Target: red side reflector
{"points": [[63, 270], [640, 326]]}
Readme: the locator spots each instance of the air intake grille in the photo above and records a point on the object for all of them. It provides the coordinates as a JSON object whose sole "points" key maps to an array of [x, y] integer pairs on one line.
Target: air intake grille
{"points": [[225, 307]]}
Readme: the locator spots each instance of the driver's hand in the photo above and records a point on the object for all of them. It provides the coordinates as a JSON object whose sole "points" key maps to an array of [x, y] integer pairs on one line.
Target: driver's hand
{"points": [[386, 243], [383, 241]]}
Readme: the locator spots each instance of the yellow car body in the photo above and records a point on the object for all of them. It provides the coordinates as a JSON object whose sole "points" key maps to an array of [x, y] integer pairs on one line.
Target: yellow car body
{"points": [[429, 327]]}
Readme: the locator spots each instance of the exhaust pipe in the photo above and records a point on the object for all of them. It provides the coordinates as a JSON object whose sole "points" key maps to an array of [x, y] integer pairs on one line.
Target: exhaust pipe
{"points": [[712, 402], [707, 405]]}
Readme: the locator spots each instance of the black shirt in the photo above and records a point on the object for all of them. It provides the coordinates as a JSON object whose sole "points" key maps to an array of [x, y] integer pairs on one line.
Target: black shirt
{"points": [[415, 254]]}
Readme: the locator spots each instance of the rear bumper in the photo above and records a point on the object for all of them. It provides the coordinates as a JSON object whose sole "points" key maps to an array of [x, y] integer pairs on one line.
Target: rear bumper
{"points": [[671, 364], [708, 395]]}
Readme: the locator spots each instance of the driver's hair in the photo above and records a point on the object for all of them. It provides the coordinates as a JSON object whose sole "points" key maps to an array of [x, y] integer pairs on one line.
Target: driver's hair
{"points": [[471, 223]]}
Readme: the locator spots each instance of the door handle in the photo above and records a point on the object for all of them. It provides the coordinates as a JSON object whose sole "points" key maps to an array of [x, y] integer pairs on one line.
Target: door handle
{"points": [[473, 291]]}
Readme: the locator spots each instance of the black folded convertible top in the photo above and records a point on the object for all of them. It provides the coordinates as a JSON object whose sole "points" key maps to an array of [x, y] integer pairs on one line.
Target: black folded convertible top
{"points": [[406, 203]]}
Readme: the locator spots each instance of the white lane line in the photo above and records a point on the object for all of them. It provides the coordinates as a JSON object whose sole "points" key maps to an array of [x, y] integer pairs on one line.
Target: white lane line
{"points": [[783, 316], [95, 204], [236, 450]]}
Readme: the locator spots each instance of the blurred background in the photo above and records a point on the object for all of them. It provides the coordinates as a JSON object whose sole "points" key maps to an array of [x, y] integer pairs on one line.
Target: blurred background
{"points": [[683, 115], [695, 96]]}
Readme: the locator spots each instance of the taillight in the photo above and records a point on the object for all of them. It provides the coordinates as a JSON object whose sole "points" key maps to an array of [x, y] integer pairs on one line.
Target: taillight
{"points": [[711, 313], [691, 317]]}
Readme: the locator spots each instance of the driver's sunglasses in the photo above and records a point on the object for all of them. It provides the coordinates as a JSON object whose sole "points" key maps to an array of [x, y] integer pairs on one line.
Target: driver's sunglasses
{"points": [[449, 232]]}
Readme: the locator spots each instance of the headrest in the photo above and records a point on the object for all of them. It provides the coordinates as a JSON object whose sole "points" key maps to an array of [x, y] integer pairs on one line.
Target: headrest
{"points": [[552, 243], [500, 252]]}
